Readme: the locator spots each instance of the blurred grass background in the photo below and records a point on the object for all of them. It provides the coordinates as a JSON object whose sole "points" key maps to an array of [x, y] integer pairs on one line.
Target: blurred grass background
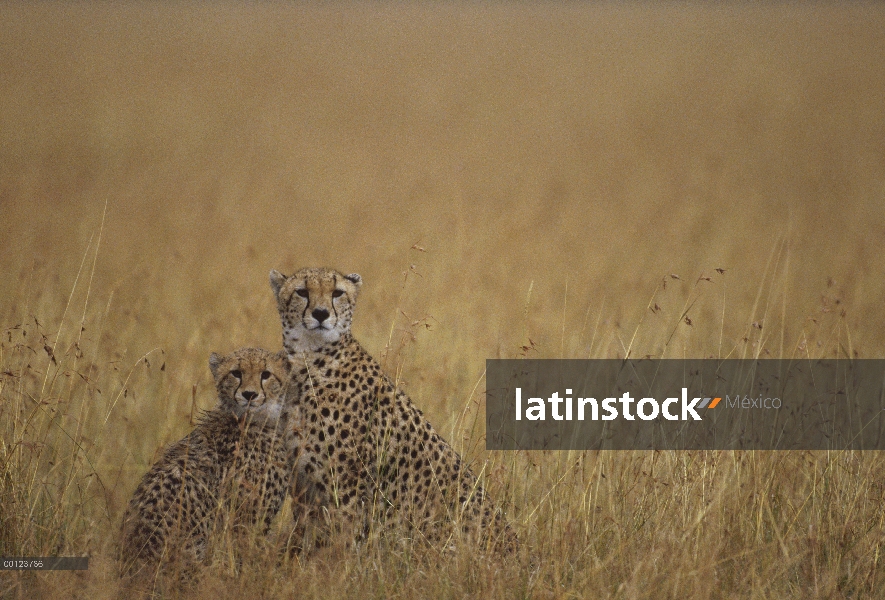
{"points": [[557, 180]]}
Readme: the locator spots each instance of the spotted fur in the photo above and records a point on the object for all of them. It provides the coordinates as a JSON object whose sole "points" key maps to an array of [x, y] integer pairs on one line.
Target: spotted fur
{"points": [[234, 467], [365, 450]]}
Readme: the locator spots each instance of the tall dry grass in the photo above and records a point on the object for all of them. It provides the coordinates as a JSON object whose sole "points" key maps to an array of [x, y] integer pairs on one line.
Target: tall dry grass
{"points": [[539, 180]]}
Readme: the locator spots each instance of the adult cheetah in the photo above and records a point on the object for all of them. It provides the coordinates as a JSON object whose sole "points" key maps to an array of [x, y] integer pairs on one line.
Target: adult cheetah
{"points": [[238, 458], [365, 450]]}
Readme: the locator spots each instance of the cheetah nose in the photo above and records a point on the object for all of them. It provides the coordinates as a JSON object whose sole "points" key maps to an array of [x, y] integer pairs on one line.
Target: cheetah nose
{"points": [[320, 314], [249, 396]]}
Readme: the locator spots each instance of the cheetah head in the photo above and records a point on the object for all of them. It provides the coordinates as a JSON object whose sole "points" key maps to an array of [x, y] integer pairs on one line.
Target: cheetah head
{"points": [[251, 380], [316, 306]]}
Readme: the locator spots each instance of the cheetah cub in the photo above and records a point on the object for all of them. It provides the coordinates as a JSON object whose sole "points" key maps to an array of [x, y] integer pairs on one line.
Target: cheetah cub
{"points": [[238, 458], [365, 450]]}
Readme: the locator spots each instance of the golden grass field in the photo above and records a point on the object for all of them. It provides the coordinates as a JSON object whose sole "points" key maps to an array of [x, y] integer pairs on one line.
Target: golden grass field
{"points": [[537, 179]]}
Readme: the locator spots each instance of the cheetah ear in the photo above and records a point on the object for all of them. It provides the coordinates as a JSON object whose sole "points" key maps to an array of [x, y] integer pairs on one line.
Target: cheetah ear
{"points": [[355, 279], [214, 362], [277, 280], [283, 356]]}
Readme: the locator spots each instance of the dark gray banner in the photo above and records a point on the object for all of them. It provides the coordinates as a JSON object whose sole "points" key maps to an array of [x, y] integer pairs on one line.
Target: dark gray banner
{"points": [[696, 404], [44, 563]]}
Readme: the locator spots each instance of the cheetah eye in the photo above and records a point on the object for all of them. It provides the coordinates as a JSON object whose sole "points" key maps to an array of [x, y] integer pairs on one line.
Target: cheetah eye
{"points": [[237, 373], [265, 375], [337, 293], [303, 293]]}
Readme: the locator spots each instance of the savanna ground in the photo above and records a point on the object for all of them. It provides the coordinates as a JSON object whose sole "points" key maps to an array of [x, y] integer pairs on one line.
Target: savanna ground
{"points": [[532, 180]]}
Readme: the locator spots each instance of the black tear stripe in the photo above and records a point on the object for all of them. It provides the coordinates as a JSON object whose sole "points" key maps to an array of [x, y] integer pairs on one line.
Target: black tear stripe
{"points": [[332, 300], [307, 301], [261, 380]]}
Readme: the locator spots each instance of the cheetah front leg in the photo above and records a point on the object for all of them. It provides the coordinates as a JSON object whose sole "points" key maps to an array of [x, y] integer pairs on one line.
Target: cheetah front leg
{"points": [[324, 512]]}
